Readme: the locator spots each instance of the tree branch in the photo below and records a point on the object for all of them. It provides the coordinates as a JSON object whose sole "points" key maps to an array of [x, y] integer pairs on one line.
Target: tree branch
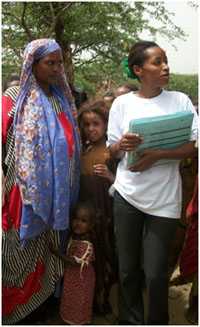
{"points": [[10, 47], [21, 21], [104, 54], [86, 62], [53, 18], [69, 4], [56, 17], [52, 11], [26, 29], [79, 49]]}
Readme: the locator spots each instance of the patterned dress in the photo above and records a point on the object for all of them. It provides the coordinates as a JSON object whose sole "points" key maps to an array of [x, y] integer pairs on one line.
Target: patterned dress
{"points": [[79, 284], [29, 274]]}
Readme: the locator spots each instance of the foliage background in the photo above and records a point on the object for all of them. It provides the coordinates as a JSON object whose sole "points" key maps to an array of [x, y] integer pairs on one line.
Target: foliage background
{"points": [[94, 36]]}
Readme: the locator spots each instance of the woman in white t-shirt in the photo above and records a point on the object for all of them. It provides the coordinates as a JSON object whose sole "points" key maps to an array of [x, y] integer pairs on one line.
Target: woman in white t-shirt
{"points": [[147, 198]]}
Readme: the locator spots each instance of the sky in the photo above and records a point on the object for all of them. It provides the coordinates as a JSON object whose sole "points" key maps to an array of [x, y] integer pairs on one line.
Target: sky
{"points": [[184, 60]]}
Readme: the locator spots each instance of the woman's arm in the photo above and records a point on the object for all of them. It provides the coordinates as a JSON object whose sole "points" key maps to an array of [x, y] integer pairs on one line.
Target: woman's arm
{"points": [[149, 156], [115, 151], [181, 152], [127, 143]]}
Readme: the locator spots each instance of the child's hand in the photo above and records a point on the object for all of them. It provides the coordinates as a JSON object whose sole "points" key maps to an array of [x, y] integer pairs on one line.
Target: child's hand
{"points": [[103, 171]]}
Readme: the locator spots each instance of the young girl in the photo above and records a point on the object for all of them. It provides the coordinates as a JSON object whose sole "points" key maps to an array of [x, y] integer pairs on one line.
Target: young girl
{"points": [[79, 275], [96, 178]]}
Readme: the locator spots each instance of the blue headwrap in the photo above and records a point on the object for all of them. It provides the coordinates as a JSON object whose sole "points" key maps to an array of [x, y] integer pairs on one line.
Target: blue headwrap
{"points": [[47, 176]]}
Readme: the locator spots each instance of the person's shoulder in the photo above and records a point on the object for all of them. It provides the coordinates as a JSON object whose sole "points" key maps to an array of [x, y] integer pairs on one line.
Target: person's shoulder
{"points": [[126, 96], [12, 92], [122, 103], [176, 94], [123, 98], [176, 97]]}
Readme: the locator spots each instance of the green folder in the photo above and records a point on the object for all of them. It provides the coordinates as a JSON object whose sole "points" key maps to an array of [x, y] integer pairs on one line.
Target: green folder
{"points": [[161, 132]]}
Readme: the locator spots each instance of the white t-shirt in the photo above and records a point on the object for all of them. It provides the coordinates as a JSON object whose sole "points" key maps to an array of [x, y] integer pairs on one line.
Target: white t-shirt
{"points": [[157, 190]]}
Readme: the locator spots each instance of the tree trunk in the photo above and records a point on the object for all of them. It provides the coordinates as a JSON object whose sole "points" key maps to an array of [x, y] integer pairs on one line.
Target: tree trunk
{"points": [[66, 49], [69, 68]]}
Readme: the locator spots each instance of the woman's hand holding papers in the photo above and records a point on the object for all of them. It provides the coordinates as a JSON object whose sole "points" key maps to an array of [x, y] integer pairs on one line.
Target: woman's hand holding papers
{"points": [[129, 142], [146, 159]]}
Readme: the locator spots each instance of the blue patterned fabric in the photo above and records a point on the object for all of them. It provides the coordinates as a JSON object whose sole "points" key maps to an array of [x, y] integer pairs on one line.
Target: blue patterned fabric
{"points": [[47, 177]]}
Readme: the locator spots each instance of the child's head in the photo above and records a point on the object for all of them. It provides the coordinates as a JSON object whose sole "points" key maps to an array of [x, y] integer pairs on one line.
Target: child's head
{"points": [[82, 218], [93, 119]]}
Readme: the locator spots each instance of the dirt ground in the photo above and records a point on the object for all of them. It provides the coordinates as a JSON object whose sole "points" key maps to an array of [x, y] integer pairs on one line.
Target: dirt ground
{"points": [[178, 301]]}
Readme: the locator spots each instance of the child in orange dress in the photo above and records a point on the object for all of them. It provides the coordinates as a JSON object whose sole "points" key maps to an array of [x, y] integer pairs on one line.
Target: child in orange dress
{"points": [[79, 275]]}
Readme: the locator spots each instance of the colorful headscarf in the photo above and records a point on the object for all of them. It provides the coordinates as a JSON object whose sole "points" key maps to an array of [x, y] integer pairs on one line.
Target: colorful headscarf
{"points": [[48, 177]]}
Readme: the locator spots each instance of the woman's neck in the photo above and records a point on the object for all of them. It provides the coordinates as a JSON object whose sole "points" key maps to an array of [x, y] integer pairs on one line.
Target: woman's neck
{"points": [[45, 88], [148, 92]]}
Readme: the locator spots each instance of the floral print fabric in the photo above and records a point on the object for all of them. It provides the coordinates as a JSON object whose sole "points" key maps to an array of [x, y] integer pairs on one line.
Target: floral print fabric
{"points": [[47, 175]]}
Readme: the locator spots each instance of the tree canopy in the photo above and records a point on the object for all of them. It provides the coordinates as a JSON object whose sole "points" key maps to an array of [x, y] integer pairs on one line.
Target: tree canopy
{"points": [[94, 36]]}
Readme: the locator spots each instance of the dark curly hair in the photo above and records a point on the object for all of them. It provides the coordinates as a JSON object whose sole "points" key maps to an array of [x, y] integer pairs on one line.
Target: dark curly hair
{"points": [[138, 55]]}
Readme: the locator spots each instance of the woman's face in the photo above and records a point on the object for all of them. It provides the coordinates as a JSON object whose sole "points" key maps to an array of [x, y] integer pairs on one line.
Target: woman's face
{"points": [[155, 70], [48, 69], [81, 222], [94, 127]]}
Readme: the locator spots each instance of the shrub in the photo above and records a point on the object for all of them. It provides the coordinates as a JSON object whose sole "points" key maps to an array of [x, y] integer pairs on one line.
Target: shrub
{"points": [[185, 83]]}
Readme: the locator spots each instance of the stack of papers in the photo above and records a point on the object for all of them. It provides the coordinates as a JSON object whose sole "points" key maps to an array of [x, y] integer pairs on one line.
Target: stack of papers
{"points": [[161, 132]]}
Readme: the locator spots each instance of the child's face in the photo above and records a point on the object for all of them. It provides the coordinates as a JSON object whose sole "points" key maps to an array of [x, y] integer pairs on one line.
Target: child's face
{"points": [[81, 223], [94, 127]]}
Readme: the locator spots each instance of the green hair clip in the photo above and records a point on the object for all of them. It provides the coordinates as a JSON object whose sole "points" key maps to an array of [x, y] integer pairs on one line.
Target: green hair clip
{"points": [[127, 70]]}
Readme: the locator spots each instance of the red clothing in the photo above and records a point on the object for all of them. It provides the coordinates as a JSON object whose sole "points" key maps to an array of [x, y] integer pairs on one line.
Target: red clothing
{"points": [[79, 283], [192, 208], [29, 274], [189, 254]]}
